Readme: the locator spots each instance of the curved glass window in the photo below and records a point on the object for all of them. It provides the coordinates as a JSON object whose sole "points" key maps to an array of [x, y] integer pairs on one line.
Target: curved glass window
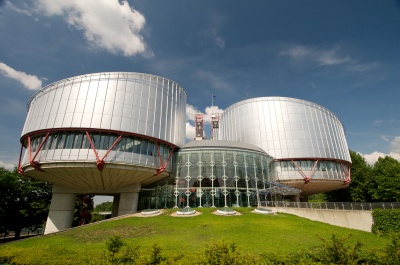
{"points": [[220, 178], [323, 169], [101, 141]]}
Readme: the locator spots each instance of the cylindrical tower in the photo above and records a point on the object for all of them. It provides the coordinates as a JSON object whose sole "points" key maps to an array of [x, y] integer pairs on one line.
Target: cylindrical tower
{"points": [[103, 132], [217, 173], [307, 140]]}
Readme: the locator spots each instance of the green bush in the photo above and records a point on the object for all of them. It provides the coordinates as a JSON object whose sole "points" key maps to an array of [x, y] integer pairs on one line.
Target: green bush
{"points": [[386, 221], [225, 253]]}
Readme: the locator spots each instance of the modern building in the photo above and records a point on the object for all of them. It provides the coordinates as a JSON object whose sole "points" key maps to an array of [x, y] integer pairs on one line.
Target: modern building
{"points": [[104, 133], [306, 140], [123, 134]]}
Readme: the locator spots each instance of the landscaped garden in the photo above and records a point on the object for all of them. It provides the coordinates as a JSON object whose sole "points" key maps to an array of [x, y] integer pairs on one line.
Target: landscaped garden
{"points": [[165, 239]]}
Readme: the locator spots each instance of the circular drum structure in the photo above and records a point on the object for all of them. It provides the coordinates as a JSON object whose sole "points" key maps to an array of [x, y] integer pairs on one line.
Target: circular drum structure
{"points": [[103, 131], [307, 140], [218, 173]]}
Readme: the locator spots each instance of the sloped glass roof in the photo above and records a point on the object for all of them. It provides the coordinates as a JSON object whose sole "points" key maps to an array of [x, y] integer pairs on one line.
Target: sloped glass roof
{"points": [[278, 188]]}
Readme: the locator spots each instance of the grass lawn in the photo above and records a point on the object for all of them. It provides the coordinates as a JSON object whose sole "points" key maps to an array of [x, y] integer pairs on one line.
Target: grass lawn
{"points": [[253, 233]]}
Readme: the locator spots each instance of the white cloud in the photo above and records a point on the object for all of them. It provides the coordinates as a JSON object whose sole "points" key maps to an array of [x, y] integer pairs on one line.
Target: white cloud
{"points": [[395, 145], [7, 165], [25, 11], [190, 131], [355, 66], [297, 52], [320, 56], [330, 57], [385, 138], [190, 112], [394, 152], [217, 39], [107, 24], [373, 157], [327, 57], [30, 82], [215, 81]]}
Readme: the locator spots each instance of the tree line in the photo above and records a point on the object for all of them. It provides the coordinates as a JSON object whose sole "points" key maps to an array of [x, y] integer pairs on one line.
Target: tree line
{"points": [[377, 183]]}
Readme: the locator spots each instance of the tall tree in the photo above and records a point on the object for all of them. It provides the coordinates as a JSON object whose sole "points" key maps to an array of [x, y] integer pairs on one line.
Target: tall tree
{"points": [[385, 183], [24, 203], [358, 190]]}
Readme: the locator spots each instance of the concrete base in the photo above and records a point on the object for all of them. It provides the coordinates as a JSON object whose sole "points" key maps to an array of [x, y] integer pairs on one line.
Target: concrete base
{"points": [[128, 200], [114, 212], [360, 220], [62, 208]]}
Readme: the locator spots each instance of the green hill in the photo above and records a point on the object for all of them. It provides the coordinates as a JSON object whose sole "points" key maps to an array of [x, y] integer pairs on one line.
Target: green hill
{"points": [[252, 233]]}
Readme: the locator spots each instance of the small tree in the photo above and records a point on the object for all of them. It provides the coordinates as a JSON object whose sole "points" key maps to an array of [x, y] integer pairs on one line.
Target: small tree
{"points": [[25, 201], [114, 245], [225, 253]]}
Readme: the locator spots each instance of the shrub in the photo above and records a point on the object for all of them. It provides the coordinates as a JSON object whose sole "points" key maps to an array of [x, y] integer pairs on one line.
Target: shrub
{"points": [[225, 253], [386, 221]]}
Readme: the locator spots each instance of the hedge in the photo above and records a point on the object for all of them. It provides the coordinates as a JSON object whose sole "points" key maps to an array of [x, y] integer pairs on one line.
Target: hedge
{"points": [[386, 221]]}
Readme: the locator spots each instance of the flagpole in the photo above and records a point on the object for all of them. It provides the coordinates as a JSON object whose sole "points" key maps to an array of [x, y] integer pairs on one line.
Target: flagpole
{"points": [[212, 103]]}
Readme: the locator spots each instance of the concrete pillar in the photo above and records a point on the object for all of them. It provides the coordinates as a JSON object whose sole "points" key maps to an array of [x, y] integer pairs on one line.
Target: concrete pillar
{"points": [[304, 199], [115, 206], [62, 208], [295, 198], [128, 200]]}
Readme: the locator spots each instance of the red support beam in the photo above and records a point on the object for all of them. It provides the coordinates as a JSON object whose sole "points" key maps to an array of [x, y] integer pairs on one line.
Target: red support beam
{"points": [[40, 147], [306, 178], [32, 163], [19, 169], [162, 168], [99, 163], [112, 146], [347, 174]]}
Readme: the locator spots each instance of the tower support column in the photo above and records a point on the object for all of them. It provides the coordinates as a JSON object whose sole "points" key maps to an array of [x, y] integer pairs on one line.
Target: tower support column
{"points": [[62, 208], [128, 199], [115, 206]]}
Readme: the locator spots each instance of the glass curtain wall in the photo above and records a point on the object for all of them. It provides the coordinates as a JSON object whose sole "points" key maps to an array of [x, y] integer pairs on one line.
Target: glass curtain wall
{"points": [[220, 178]]}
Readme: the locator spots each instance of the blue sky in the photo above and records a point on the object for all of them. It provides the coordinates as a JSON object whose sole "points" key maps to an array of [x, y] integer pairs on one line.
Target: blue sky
{"points": [[343, 55]]}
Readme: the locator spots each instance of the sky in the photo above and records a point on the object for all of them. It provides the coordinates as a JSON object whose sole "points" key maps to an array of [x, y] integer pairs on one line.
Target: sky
{"points": [[343, 55]]}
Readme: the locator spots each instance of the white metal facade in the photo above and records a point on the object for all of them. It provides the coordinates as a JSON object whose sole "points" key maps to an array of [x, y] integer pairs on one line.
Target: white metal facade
{"points": [[125, 124], [130, 102], [286, 128], [307, 140]]}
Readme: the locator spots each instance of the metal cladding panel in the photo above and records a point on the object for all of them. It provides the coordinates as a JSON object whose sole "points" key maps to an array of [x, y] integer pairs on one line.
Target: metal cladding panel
{"points": [[286, 128], [130, 102]]}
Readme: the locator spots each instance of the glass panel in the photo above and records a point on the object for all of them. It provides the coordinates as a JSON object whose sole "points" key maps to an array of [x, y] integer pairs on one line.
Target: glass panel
{"points": [[78, 141], [69, 140], [104, 142], [61, 141]]}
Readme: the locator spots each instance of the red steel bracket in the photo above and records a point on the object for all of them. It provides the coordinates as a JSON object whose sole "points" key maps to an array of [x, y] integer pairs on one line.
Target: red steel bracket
{"points": [[347, 174], [100, 162], [32, 162], [19, 169], [306, 178], [163, 166]]}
